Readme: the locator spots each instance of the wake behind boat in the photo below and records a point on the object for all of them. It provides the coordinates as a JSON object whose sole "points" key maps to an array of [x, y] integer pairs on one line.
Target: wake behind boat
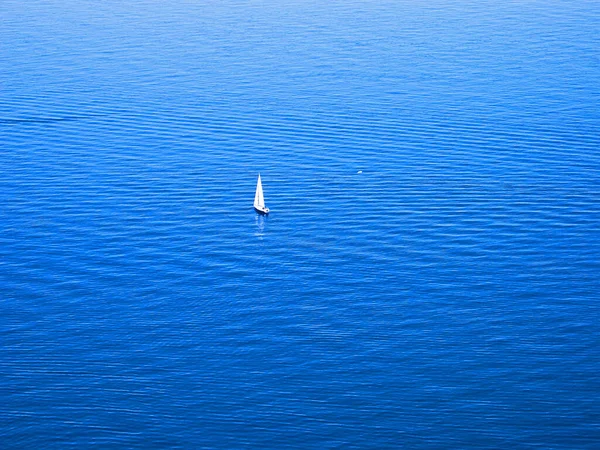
{"points": [[259, 199]]}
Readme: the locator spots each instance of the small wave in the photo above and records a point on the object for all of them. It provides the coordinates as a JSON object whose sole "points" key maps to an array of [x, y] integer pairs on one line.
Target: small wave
{"points": [[48, 119]]}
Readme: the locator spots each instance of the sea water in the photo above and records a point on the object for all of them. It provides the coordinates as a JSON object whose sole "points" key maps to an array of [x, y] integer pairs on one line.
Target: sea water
{"points": [[428, 275]]}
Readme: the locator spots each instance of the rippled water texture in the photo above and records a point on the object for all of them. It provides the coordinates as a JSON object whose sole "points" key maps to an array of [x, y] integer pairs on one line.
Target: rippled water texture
{"points": [[428, 276]]}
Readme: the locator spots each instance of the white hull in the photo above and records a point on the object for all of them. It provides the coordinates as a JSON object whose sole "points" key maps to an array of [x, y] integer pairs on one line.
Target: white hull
{"points": [[260, 210]]}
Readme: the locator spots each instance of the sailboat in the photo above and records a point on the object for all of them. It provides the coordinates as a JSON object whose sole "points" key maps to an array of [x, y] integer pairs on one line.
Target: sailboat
{"points": [[259, 199]]}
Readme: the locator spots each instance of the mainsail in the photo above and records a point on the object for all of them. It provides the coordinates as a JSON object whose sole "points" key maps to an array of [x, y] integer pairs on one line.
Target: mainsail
{"points": [[259, 199]]}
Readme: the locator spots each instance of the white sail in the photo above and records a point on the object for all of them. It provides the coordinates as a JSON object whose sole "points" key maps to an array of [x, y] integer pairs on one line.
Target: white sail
{"points": [[259, 199]]}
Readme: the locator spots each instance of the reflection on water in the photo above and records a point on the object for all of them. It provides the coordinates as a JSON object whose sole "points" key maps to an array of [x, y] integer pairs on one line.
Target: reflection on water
{"points": [[260, 224]]}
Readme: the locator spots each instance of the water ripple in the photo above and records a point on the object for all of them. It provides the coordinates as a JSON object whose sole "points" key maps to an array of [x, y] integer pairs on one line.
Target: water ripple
{"points": [[427, 275]]}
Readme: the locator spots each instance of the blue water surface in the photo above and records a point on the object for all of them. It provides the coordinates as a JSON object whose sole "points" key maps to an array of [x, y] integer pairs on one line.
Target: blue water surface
{"points": [[428, 275]]}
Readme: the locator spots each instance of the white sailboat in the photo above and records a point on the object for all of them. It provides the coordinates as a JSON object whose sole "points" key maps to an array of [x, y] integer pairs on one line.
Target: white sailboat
{"points": [[259, 198]]}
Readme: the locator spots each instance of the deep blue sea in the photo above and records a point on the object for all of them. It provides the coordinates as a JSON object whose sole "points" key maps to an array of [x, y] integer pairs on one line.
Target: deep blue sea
{"points": [[428, 277]]}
